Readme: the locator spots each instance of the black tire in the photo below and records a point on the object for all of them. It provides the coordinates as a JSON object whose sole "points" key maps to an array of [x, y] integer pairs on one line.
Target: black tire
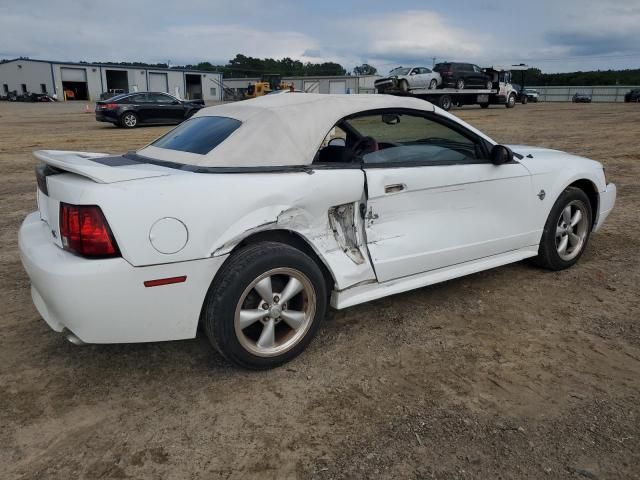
{"points": [[484, 105], [511, 101], [460, 84], [232, 283], [489, 85], [433, 84], [129, 120], [525, 100], [404, 86], [444, 102], [548, 256]]}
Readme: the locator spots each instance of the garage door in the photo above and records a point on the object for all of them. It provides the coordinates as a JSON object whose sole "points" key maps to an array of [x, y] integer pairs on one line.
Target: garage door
{"points": [[73, 74], [337, 87], [311, 87], [158, 82]]}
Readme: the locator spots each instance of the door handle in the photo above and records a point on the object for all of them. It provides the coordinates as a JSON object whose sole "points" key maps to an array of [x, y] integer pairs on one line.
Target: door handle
{"points": [[396, 187]]}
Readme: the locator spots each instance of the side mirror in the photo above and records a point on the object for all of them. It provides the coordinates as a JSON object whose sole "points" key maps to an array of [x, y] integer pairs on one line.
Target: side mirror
{"points": [[501, 155], [337, 142]]}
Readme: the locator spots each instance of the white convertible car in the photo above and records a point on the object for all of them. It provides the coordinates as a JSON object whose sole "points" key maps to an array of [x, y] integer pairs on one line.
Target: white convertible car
{"points": [[251, 218]]}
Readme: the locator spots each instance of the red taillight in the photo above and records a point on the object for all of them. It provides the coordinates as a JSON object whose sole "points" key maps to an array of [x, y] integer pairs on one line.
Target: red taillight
{"points": [[109, 106], [84, 230]]}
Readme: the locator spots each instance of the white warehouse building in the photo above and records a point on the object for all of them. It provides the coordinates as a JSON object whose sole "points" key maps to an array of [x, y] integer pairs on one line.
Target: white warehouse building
{"points": [[86, 81]]}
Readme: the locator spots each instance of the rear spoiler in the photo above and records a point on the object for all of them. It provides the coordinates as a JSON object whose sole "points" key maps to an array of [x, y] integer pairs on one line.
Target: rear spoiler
{"points": [[93, 166]]}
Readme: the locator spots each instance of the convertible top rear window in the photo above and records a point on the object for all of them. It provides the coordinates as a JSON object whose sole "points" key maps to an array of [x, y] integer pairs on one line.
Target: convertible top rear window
{"points": [[198, 135]]}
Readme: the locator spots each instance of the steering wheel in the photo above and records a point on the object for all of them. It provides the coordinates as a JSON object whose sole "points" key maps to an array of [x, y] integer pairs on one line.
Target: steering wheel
{"points": [[365, 145]]}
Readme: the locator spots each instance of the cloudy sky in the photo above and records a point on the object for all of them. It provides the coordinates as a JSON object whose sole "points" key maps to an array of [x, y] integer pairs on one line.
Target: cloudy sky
{"points": [[554, 35]]}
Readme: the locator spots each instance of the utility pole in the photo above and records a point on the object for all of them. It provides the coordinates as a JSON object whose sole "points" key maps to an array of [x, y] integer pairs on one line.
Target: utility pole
{"points": [[434, 61]]}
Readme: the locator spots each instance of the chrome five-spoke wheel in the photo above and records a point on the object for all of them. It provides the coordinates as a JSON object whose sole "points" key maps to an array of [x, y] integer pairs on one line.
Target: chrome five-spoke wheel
{"points": [[275, 312], [571, 230]]}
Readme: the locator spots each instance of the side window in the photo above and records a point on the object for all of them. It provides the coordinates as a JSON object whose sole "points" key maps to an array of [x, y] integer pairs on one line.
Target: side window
{"points": [[140, 98], [425, 70], [477, 69], [159, 98], [407, 138], [415, 71]]}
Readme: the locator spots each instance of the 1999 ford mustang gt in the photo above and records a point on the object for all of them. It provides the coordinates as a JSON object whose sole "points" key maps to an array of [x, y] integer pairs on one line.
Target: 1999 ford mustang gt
{"points": [[251, 218]]}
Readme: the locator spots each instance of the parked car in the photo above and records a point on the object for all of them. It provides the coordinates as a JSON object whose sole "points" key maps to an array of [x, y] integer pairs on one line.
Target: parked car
{"points": [[463, 75], [532, 94], [581, 98], [133, 109], [409, 78], [249, 219], [632, 95]]}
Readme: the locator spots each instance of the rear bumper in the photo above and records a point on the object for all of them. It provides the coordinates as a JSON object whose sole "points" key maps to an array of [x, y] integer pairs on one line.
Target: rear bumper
{"points": [[105, 301], [606, 204], [102, 117]]}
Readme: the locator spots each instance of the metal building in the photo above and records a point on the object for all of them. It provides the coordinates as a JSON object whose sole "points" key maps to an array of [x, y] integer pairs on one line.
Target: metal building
{"points": [[86, 81], [320, 84]]}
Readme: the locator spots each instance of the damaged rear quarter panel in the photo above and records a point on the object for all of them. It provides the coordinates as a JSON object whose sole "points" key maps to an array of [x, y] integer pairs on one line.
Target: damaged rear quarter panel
{"points": [[322, 207]]}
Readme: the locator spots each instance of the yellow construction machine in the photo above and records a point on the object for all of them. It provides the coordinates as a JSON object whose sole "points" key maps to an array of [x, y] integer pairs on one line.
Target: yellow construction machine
{"points": [[267, 84]]}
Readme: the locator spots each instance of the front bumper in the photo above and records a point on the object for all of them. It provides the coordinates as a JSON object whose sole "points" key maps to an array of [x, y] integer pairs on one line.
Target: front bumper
{"points": [[386, 84], [605, 205], [105, 301]]}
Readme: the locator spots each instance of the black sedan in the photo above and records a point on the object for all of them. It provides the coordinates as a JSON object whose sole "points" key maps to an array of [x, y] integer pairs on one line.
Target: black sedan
{"points": [[132, 109], [632, 96], [581, 98]]}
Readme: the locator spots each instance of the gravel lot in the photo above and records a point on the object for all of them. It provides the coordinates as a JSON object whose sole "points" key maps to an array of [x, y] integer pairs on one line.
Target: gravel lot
{"points": [[510, 373]]}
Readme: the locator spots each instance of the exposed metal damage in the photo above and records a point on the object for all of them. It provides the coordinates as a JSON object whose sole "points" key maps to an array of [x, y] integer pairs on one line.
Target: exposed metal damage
{"points": [[343, 222]]}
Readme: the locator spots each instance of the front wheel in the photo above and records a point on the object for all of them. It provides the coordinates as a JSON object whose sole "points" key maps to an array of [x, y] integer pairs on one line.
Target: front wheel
{"points": [[566, 231], [484, 105], [265, 305], [444, 102], [460, 84], [511, 101], [404, 86]]}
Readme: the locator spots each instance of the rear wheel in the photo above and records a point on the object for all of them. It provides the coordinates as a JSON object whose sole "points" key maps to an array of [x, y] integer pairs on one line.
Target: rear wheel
{"points": [[404, 86], [566, 231], [433, 84], [525, 99], [489, 84], [460, 84], [129, 120], [484, 105], [511, 101], [265, 305]]}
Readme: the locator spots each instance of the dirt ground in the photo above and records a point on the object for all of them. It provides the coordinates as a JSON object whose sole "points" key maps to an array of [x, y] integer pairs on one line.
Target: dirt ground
{"points": [[511, 373]]}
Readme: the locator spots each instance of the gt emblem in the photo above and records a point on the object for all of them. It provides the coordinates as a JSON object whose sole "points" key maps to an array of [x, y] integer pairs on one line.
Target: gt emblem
{"points": [[541, 195]]}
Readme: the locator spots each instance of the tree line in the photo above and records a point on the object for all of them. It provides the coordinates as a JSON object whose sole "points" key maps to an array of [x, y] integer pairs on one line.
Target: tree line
{"points": [[246, 66], [535, 76]]}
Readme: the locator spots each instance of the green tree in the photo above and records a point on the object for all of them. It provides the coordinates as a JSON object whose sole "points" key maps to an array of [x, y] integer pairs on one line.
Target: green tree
{"points": [[365, 69]]}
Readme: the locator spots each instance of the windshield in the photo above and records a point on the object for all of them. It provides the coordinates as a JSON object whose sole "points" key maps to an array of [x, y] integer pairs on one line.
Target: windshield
{"points": [[400, 71]]}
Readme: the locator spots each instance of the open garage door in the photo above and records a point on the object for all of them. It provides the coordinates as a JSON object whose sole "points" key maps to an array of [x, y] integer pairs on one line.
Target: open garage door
{"points": [[311, 86], [74, 83], [194, 86], [117, 81], [158, 82], [338, 87]]}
